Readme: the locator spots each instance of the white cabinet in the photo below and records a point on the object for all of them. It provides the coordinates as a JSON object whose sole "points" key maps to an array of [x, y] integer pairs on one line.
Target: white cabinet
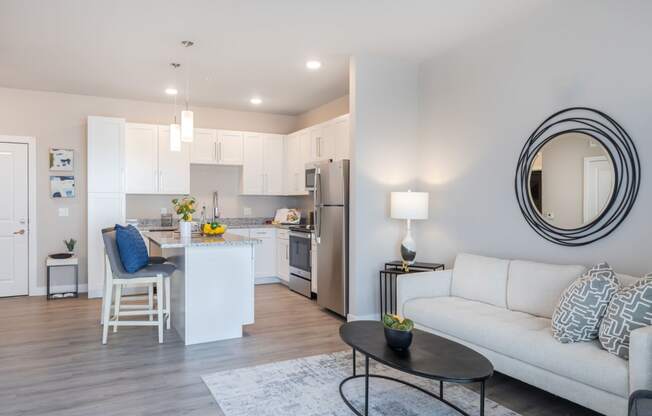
{"points": [[150, 166], [173, 167], [217, 147], [203, 149], [322, 143], [230, 149], [296, 155], [105, 154], [106, 198], [141, 158], [265, 253], [313, 265], [262, 171], [273, 161], [283, 255], [339, 130], [252, 168]]}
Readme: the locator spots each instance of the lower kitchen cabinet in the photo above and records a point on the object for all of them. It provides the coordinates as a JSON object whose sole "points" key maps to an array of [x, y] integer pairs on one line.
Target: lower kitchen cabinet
{"points": [[283, 256], [265, 253]]}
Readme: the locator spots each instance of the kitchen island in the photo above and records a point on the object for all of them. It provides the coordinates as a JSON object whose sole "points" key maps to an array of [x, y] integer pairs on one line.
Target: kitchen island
{"points": [[212, 290]]}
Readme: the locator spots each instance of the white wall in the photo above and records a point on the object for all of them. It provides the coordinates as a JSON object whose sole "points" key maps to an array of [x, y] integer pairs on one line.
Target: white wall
{"points": [[384, 111], [480, 102], [204, 180], [59, 120]]}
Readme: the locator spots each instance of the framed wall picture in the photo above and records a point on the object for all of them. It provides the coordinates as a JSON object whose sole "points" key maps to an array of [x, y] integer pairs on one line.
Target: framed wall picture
{"points": [[62, 159], [62, 186]]}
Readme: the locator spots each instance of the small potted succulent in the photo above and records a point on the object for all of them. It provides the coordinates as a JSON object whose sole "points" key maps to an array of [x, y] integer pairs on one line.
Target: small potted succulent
{"points": [[184, 208], [398, 331], [70, 244]]}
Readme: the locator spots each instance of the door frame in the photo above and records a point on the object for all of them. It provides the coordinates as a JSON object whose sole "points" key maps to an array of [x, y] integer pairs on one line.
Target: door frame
{"points": [[32, 270], [585, 185]]}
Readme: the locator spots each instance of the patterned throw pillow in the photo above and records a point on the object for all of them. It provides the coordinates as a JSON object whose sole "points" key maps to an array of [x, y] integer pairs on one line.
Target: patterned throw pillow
{"points": [[583, 304], [630, 308]]}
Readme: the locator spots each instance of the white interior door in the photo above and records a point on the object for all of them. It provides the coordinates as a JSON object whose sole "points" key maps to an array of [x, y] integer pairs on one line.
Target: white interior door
{"points": [[14, 231], [598, 183]]}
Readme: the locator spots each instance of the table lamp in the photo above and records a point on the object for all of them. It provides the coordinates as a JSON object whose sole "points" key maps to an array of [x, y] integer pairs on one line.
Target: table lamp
{"points": [[409, 206]]}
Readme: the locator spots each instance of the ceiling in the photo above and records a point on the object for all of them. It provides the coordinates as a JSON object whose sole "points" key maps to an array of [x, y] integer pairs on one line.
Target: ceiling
{"points": [[123, 48]]}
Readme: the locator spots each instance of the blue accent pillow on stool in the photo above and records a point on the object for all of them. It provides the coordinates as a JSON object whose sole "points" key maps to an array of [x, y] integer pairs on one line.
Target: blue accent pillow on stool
{"points": [[132, 249]]}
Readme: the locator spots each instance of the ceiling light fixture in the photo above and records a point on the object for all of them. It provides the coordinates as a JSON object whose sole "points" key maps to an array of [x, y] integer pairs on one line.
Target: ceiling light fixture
{"points": [[171, 91], [187, 116], [313, 65], [256, 101], [175, 129]]}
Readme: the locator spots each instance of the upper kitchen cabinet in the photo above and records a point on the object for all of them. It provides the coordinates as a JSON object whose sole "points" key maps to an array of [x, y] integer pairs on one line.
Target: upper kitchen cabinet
{"points": [[321, 142], [141, 158], [297, 150], [150, 166], [217, 147], [230, 147], [262, 170], [203, 149], [330, 140], [338, 129], [105, 150], [173, 167]]}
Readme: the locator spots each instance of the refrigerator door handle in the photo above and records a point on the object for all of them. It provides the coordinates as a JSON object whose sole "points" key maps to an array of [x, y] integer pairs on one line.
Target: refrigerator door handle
{"points": [[317, 198]]}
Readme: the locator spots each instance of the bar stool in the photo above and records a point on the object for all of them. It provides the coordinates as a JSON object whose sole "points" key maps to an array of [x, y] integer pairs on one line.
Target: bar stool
{"points": [[150, 275]]}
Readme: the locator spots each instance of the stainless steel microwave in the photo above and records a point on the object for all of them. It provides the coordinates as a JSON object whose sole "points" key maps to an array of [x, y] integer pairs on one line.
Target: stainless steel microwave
{"points": [[311, 177]]}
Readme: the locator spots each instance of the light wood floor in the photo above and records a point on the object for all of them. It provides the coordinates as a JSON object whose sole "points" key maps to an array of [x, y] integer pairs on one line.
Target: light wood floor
{"points": [[52, 362]]}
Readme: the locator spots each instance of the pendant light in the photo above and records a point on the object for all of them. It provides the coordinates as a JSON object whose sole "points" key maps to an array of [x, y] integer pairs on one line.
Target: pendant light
{"points": [[175, 129], [187, 116]]}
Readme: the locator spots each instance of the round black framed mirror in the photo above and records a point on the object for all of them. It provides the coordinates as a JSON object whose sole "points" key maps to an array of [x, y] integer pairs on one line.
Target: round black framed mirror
{"points": [[577, 177]]}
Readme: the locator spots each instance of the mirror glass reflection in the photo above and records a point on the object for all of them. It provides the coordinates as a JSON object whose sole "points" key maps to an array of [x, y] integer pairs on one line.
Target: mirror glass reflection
{"points": [[571, 180]]}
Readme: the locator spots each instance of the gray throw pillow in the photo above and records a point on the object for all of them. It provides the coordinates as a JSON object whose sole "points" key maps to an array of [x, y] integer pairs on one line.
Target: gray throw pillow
{"points": [[630, 308], [581, 307]]}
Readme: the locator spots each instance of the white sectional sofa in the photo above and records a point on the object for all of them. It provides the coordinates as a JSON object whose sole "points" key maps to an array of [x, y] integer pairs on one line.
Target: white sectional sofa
{"points": [[502, 309]]}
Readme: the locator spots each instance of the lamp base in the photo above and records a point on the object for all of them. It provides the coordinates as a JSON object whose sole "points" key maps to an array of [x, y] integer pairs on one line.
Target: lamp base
{"points": [[408, 248]]}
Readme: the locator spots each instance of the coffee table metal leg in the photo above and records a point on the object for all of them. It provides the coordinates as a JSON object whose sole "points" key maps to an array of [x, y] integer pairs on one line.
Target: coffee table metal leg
{"points": [[354, 362], [441, 389], [366, 385], [482, 399]]}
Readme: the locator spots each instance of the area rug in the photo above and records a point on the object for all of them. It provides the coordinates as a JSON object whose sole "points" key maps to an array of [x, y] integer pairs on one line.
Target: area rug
{"points": [[310, 387]]}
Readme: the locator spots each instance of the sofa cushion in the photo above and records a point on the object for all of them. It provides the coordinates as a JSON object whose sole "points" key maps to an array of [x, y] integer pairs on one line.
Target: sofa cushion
{"points": [[480, 278], [522, 337], [535, 288], [581, 307], [629, 309]]}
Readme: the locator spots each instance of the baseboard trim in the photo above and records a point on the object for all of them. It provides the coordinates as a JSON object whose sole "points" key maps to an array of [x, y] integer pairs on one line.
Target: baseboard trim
{"points": [[42, 291], [267, 280], [372, 317]]}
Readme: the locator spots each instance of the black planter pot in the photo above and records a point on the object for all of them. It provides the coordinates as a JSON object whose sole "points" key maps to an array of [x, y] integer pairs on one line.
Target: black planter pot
{"points": [[398, 340]]}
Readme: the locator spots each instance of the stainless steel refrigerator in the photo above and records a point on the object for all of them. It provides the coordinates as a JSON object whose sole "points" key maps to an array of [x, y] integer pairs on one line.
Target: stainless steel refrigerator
{"points": [[331, 197]]}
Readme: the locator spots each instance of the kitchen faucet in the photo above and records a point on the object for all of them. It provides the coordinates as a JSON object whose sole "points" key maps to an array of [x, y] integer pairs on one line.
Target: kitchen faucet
{"points": [[216, 209]]}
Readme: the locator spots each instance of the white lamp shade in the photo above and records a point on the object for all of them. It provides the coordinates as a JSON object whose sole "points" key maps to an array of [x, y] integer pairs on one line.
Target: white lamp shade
{"points": [[409, 205], [187, 125], [175, 137]]}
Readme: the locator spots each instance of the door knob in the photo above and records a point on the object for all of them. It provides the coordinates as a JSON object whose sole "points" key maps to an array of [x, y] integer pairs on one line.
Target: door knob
{"points": [[19, 232]]}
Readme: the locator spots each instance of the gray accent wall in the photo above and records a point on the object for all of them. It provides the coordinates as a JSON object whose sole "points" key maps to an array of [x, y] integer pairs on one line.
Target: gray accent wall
{"points": [[481, 100]]}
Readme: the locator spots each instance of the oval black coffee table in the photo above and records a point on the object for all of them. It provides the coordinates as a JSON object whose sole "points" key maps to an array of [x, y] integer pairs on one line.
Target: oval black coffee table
{"points": [[430, 356]]}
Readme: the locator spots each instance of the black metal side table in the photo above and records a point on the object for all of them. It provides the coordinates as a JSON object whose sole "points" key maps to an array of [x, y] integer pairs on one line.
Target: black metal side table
{"points": [[388, 279], [69, 262]]}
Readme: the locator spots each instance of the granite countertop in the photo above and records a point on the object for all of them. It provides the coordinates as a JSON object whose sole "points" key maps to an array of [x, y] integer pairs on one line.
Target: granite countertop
{"points": [[169, 239], [232, 223]]}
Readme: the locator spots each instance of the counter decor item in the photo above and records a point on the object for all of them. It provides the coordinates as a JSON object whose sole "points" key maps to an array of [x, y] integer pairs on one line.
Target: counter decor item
{"points": [[398, 332], [70, 245], [409, 206], [213, 229], [184, 208]]}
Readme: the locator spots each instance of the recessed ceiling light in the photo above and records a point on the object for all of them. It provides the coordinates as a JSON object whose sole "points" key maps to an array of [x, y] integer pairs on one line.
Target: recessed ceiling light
{"points": [[171, 91], [313, 65], [256, 101]]}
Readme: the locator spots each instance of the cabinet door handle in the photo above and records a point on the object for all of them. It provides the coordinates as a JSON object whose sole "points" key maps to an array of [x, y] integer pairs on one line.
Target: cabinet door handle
{"points": [[219, 151], [287, 252], [160, 181], [216, 153]]}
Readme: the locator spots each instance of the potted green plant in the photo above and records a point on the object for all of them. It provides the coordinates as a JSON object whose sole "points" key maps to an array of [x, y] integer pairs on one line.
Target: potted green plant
{"points": [[398, 331], [70, 244], [184, 207]]}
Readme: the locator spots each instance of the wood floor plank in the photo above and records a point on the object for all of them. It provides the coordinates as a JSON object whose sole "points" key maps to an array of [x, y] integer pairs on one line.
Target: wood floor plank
{"points": [[52, 361]]}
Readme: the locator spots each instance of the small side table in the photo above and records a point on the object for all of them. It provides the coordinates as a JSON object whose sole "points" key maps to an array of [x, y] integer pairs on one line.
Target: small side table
{"points": [[69, 262], [388, 279]]}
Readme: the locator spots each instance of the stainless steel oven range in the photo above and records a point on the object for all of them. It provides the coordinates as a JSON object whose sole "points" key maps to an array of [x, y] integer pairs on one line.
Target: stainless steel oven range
{"points": [[301, 260]]}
